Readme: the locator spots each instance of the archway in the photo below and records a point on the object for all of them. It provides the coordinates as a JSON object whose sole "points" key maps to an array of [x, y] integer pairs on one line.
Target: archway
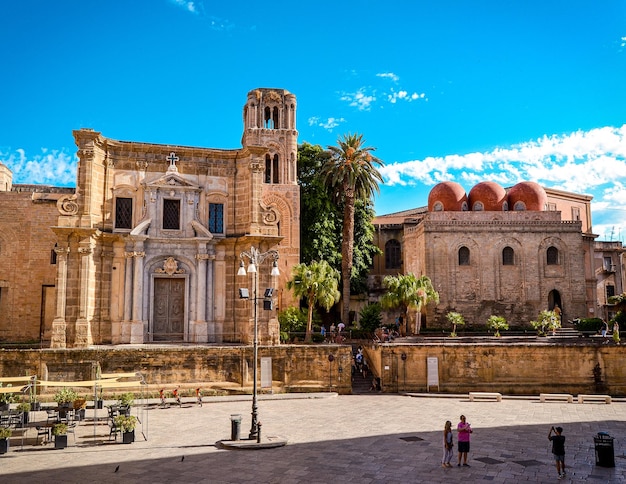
{"points": [[554, 301]]}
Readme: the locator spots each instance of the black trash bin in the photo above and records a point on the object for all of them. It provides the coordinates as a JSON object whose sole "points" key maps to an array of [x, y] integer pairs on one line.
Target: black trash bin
{"points": [[235, 427], [605, 453]]}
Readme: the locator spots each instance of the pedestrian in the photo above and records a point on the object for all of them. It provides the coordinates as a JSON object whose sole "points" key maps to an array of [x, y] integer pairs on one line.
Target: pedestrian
{"points": [[616, 332], [162, 397], [341, 327], [464, 429], [604, 330], [176, 396], [558, 449], [323, 331], [448, 445], [199, 396]]}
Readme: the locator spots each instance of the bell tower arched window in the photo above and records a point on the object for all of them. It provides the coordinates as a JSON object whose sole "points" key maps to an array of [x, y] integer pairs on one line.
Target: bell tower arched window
{"points": [[271, 118], [271, 169]]}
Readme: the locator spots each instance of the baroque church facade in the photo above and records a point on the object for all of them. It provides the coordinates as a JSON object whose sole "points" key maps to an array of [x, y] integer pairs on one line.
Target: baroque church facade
{"points": [[147, 247]]}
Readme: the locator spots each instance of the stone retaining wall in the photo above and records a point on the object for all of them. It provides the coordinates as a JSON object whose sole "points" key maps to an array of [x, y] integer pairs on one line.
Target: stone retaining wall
{"points": [[518, 368], [509, 368]]}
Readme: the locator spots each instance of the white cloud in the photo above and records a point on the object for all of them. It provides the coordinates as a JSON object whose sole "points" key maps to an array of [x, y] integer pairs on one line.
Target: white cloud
{"points": [[329, 124], [389, 75], [404, 96], [591, 162], [51, 167], [623, 40], [361, 99], [187, 5]]}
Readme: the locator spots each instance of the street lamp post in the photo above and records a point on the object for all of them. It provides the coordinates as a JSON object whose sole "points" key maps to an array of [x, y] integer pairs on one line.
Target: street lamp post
{"points": [[255, 258]]}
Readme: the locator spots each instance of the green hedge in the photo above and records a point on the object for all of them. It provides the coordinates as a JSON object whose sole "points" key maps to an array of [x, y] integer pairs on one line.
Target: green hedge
{"points": [[589, 324]]}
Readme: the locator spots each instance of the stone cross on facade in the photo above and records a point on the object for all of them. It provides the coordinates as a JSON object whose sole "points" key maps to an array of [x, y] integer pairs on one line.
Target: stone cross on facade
{"points": [[172, 158]]}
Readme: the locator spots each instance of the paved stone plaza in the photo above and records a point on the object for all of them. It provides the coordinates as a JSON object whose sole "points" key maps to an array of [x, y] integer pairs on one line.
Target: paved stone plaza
{"points": [[356, 438]]}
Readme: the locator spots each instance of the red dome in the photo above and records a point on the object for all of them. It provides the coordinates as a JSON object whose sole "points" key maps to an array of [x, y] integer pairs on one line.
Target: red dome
{"points": [[527, 195], [448, 196], [490, 194]]}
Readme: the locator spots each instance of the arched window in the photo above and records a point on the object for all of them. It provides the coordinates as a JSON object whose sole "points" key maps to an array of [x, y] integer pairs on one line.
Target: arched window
{"points": [[552, 256], [438, 206], [393, 254], [519, 206], [271, 169], [508, 256], [478, 207], [464, 256]]}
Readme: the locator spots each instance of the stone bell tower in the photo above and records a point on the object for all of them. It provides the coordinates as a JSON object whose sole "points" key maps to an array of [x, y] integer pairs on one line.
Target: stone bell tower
{"points": [[270, 121]]}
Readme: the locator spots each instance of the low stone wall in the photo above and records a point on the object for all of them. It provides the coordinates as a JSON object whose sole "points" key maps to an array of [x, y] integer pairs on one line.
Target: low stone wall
{"points": [[227, 368], [503, 367]]}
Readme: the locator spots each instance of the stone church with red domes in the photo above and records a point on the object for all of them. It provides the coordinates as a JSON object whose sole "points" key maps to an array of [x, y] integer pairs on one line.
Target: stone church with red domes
{"points": [[509, 252]]}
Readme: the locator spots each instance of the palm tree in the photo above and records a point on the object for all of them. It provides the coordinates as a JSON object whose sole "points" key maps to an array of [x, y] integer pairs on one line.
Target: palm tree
{"points": [[351, 173], [316, 282], [410, 293]]}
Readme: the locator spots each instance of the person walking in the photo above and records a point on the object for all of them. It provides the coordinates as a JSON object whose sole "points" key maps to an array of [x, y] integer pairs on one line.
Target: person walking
{"points": [[616, 332], [558, 449], [448, 445], [199, 396], [464, 430], [604, 330]]}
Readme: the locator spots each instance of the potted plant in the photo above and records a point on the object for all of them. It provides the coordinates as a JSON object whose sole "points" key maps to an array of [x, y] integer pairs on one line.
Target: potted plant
{"points": [[546, 321], [125, 402], [65, 398], [59, 431], [5, 435], [126, 423], [497, 323], [24, 408], [5, 400]]}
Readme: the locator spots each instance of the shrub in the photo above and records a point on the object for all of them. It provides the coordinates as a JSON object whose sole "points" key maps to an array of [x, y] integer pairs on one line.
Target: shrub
{"points": [[126, 399], [59, 429], [65, 395], [497, 323], [126, 422], [546, 321], [456, 319], [589, 324], [6, 397], [370, 318], [5, 433]]}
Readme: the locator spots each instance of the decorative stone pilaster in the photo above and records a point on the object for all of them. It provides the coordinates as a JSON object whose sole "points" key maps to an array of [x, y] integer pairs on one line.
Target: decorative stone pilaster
{"points": [[84, 337], [59, 327]]}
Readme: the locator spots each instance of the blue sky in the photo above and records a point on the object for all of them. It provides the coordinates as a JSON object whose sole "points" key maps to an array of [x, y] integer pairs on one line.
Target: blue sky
{"points": [[461, 90]]}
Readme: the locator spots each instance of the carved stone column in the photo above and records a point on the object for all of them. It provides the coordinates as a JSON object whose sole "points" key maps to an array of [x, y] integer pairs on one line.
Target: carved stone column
{"points": [[84, 337], [198, 327], [136, 332], [59, 326], [257, 167], [210, 301]]}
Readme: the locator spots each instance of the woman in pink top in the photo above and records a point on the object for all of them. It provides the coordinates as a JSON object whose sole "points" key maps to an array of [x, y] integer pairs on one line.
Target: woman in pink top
{"points": [[464, 430]]}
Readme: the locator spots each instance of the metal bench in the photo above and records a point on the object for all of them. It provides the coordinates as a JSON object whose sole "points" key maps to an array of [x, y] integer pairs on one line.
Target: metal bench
{"points": [[594, 398], [485, 396], [543, 397]]}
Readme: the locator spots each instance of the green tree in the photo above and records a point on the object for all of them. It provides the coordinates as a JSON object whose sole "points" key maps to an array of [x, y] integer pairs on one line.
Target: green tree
{"points": [[409, 293], [291, 319], [317, 283], [320, 218], [351, 173], [370, 318], [497, 324], [455, 319]]}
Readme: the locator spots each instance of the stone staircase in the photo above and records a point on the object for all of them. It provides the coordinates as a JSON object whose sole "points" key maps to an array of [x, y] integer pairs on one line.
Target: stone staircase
{"points": [[565, 333], [360, 384]]}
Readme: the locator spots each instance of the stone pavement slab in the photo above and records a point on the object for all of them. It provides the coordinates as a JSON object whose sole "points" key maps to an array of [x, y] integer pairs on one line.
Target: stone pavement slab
{"points": [[354, 438]]}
